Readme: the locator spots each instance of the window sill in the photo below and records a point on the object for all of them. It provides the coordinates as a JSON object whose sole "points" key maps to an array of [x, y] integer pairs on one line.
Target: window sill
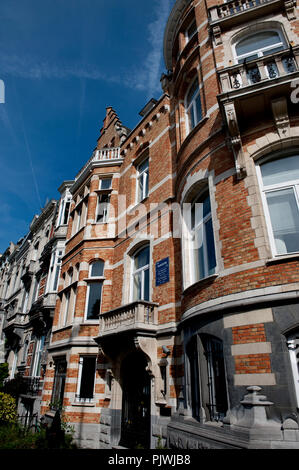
{"points": [[283, 258], [134, 208], [85, 404], [201, 282]]}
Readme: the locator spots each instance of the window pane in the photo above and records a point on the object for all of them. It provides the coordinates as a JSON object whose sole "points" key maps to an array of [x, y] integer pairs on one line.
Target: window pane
{"points": [[87, 377], [284, 216], [191, 118], [106, 183], [199, 264], [257, 41], [97, 269], [210, 247], [146, 285], [192, 92], [191, 30], [280, 171], [198, 109], [137, 286], [143, 166], [94, 300], [142, 258]]}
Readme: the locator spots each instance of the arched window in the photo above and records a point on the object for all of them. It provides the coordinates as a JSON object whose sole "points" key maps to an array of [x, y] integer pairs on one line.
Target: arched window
{"points": [[141, 274], [208, 390], [203, 248], [262, 44], [279, 181], [193, 106], [259, 44]]}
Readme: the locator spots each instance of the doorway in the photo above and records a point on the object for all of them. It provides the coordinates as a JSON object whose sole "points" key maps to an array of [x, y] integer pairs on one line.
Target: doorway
{"points": [[136, 402]]}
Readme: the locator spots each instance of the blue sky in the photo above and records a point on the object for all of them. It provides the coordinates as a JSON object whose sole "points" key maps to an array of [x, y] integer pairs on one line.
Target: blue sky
{"points": [[63, 62]]}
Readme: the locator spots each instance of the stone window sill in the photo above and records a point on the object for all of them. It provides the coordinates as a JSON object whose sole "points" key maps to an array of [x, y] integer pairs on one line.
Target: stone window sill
{"points": [[283, 258]]}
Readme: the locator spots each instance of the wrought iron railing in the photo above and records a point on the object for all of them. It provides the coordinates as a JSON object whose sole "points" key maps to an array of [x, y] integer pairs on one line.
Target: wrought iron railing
{"points": [[264, 68]]}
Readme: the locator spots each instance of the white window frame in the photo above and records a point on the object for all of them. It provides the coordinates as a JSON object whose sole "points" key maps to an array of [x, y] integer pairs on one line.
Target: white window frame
{"points": [[291, 184], [193, 231], [106, 209], [258, 52], [90, 280], [39, 346], [100, 183], [142, 271], [193, 105], [187, 37], [144, 175], [78, 399]]}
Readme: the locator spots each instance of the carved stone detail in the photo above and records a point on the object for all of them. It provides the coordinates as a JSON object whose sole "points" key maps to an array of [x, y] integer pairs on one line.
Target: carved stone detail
{"points": [[217, 35], [281, 116], [235, 139], [290, 7]]}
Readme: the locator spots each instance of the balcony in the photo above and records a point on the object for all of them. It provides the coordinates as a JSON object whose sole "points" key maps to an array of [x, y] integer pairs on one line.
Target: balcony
{"points": [[140, 316], [252, 85], [236, 12], [260, 71], [21, 385], [103, 156]]}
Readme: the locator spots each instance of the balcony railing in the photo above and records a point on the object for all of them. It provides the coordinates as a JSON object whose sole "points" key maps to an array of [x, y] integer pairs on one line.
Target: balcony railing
{"points": [[104, 155], [21, 385], [259, 70], [134, 316], [234, 7]]}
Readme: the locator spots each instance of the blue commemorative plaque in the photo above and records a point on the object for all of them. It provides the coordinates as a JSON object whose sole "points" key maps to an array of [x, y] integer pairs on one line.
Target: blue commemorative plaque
{"points": [[162, 271]]}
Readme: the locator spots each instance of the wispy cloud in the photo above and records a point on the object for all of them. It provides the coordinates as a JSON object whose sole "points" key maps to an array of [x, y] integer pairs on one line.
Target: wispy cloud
{"points": [[143, 76], [146, 75]]}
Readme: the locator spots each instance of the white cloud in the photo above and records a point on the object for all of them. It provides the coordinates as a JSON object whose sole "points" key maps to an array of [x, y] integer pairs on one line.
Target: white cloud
{"points": [[143, 77]]}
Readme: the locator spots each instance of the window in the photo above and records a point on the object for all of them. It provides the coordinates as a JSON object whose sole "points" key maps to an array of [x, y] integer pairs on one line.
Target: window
{"points": [[293, 347], [25, 301], [59, 383], [105, 183], [86, 379], [69, 298], [141, 275], [64, 210], [94, 290], [207, 379], [193, 106], [36, 365], [202, 246], [54, 273], [190, 31], [142, 180], [258, 45], [103, 208], [279, 181]]}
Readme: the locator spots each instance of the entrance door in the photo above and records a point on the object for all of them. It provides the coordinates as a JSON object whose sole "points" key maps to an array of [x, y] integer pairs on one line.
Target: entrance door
{"points": [[135, 426]]}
